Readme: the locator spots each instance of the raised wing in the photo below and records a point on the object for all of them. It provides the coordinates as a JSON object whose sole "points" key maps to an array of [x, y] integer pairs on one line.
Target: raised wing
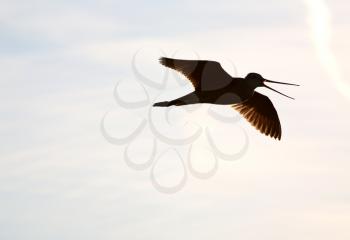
{"points": [[260, 112], [204, 75]]}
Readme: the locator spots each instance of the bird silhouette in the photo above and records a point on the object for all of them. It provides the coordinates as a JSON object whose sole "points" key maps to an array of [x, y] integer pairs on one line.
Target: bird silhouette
{"points": [[213, 85]]}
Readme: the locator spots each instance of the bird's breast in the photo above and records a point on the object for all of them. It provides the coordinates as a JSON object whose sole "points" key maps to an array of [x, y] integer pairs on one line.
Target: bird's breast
{"points": [[231, 94]]}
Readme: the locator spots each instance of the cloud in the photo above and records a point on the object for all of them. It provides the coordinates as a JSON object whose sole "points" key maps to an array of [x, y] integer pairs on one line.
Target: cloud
{"points": [[61, 180]]}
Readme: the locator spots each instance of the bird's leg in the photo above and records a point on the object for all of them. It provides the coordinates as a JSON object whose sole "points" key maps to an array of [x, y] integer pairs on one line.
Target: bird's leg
{"points": [[191, 98]]}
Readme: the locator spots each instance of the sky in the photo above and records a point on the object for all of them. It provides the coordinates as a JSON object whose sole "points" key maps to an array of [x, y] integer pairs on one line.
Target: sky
{"points": [[83, 155]]}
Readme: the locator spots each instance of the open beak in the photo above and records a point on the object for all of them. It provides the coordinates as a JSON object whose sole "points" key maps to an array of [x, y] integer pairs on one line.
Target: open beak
{"points": [[292, 84]]}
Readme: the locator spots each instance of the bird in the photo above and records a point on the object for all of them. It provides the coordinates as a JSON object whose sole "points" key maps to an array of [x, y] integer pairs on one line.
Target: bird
{"points": [[213, 85]]}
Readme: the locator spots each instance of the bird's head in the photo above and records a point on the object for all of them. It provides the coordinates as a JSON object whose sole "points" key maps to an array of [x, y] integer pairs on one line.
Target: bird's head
{"points": [[256, 80]]}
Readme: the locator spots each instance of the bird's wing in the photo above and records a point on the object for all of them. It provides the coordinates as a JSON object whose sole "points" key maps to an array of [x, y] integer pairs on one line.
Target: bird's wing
{"points": [[260, 112], [204, 75]]}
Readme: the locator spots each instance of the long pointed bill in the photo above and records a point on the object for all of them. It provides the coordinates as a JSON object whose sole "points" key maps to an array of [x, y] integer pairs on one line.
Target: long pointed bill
{"points": [[277, 91], [292, 84]]}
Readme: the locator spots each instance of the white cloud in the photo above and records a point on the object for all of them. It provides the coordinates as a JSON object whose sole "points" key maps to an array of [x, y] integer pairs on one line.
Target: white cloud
{"points": [[61, 180]]}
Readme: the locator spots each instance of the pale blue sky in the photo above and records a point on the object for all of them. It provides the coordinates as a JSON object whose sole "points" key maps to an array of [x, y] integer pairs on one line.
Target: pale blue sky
{"points": [[61, 179]]}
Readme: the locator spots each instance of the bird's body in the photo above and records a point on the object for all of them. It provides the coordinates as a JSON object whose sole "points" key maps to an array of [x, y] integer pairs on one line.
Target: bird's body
{"points": [[233, 93], [214, 86]]}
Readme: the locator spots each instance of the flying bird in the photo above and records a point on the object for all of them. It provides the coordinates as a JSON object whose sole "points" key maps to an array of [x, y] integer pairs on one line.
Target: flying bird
{"points": [[213, 85]]}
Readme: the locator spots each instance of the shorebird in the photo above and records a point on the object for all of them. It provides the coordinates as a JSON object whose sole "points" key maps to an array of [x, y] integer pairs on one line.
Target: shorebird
{"points": [[213, 85]]}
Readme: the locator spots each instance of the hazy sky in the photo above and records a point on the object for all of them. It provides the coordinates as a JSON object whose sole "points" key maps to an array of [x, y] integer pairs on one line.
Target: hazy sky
{"points": [[61, 179]]}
